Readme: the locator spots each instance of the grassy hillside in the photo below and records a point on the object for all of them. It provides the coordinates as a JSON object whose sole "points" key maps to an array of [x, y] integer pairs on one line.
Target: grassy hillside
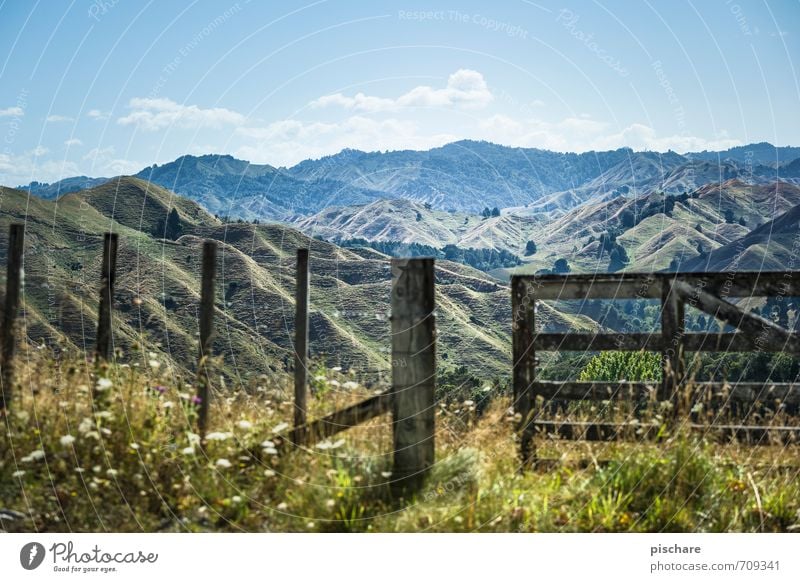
{"points": [[126, 459], [158, 290]]}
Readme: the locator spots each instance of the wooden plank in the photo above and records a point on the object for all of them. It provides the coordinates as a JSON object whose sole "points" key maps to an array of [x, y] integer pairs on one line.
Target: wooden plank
{"points": [[597, 342], [14, 257], [672, 331], [648, 285], [523, 322], [349, 417], [746, 392], [575, 390], [692, 342], [108, 274], [607, 431], [301, 346], [726, 342], [746, 284], [765, 333], [207, 284], [594, 286], [413, 371]]}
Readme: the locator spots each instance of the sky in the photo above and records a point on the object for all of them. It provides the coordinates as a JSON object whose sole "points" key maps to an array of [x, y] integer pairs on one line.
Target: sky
{"points": [[108, 87]]}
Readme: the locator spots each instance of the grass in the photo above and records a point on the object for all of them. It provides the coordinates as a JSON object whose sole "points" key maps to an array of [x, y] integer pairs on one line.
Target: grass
{"points": [[116, 451]]}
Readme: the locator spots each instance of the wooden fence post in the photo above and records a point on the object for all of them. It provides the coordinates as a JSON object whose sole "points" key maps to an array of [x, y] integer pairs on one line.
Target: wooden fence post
{"points": [[413, 371], [301, 348], [207, 285], [523, 314], [672, 331], [108, 274], [16, 240]]}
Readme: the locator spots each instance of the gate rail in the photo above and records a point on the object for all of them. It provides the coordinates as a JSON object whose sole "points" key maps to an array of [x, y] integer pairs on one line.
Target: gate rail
{"points": [[707, 292]]}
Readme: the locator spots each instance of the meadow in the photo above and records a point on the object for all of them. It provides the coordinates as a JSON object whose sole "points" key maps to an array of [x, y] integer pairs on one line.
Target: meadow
{"points": [[114, 449]]}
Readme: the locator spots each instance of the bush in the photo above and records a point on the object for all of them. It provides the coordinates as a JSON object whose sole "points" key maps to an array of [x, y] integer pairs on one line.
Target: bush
{"points": [[619, 366]]}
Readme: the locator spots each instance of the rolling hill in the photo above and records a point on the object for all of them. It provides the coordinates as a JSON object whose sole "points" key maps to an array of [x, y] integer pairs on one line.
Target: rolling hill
{"points": [[157, 289]]}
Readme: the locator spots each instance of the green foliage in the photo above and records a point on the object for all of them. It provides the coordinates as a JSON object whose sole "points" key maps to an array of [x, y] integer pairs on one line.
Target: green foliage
{"points": [[530, 248], [561, 266], [483, 259], [619, 366]]}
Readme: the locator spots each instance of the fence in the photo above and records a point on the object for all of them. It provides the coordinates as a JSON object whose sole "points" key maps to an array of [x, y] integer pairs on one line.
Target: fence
{"points": [[411, 399], [705, 291]]}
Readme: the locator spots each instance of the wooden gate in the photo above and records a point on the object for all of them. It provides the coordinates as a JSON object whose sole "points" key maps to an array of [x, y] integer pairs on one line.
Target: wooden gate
{"points": [[707, 292]]}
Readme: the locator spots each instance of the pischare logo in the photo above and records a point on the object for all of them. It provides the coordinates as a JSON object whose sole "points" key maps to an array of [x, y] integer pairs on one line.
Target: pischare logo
{"points": [[31, 555]]}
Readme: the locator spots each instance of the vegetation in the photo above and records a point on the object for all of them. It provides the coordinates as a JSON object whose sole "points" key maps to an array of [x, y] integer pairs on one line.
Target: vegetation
{"points": [[561, 266], [619, 366], [483, 259], [530, 248], [116, 451]]}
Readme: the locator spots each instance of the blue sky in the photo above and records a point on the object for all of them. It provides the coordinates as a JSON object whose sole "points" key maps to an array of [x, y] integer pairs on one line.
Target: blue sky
{"points": [[111, 86]]}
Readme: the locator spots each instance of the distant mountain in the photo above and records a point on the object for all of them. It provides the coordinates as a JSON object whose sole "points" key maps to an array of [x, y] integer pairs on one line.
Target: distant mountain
{"points": [[226, 186], [65, 186], [463, 177], [754, 153]]}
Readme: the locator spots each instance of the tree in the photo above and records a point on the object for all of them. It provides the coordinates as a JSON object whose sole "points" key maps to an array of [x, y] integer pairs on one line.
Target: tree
{"points": [[530, 248], [627, 218], [618, 366], [618, 258], [427, 206], [419, 217], [495, 211], [486, 213], [561, 266], [730, 217], [172, 229], [742, 221]]}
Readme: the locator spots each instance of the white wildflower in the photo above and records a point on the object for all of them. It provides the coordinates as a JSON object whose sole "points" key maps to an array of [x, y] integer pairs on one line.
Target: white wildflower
{"points": [[319, 378], [67, 440], [386, 474], [269, 473], [236, 499], [193, 438], [37, 455], [104, 414], [103, 384], [135, 446], [85, 426], [112, 472], [18, 474], [267, 444], [218, 436], [350, 385], [326, 445], [224, 464], [282, 506], [281, 427], [155, 364], [334, 383], [337, 368], [244, 424], [168, 404], [188, 451]]}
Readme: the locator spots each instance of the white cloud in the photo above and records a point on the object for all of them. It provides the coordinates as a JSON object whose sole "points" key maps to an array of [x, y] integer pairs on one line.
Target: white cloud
{"points": [[21, 169], [58, 118], [155, 114], [73, 142], [290, 141], [105, 163], [39, 151], [97, 114], [12, 112], [465, 88]]}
